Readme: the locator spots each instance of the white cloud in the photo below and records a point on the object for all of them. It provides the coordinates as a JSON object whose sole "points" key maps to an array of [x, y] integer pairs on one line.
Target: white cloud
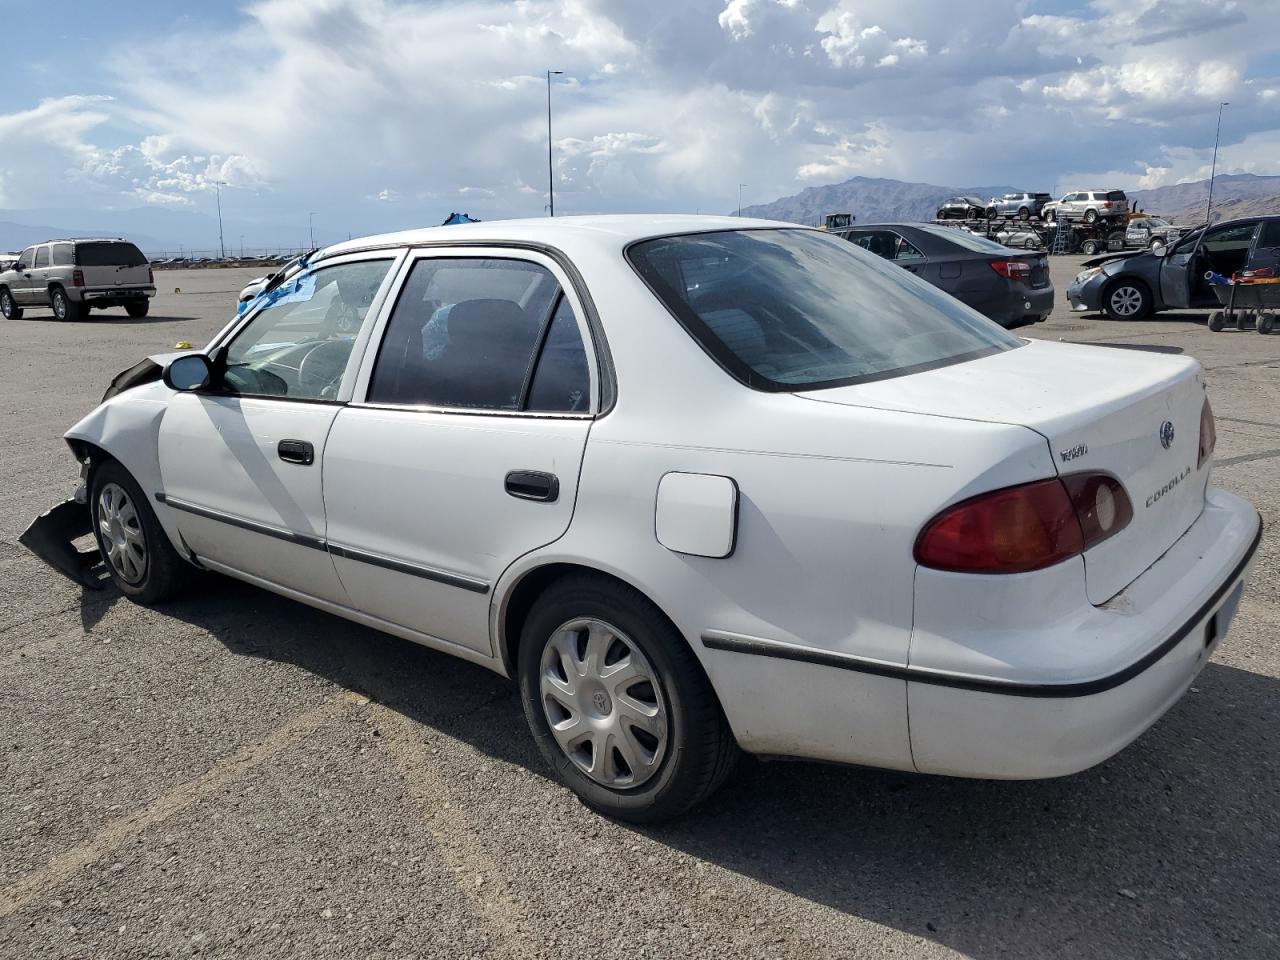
{"points": [[380, 111]]}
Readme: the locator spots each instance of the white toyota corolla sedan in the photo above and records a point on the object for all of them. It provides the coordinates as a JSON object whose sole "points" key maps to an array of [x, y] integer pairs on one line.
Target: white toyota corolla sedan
{"points": [[696, 484]]}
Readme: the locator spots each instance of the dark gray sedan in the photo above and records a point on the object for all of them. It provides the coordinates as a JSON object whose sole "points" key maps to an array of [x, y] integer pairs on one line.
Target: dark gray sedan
{"points": [[1011, 287], [1134, 286]]}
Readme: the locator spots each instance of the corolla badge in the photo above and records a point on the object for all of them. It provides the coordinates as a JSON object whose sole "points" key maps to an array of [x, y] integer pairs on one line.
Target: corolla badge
{"points": [[1166, 434]]}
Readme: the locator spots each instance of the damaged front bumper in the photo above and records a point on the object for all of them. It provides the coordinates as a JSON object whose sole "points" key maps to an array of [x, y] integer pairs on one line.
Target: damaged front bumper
{"points": [[52, 536]]}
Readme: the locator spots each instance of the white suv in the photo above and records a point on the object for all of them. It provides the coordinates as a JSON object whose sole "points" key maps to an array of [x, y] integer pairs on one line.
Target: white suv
{"points": [[71, 276], [1088, 205]]}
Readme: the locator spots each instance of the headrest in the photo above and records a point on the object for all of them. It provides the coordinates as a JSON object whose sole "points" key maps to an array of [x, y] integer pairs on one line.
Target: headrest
{"points": [[488, 321]]}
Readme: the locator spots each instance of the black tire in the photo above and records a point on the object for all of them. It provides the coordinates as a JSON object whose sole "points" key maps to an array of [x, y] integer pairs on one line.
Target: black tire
{"points": [[992, 213], [1216, 321], [164, 572], [8, 307], [1049, 216], [137, 308], [64, 308], [1266, 322], [1091, 216], [700, 749], [1089, 248], [1126, 299], [1024, 214], [973, 214]]}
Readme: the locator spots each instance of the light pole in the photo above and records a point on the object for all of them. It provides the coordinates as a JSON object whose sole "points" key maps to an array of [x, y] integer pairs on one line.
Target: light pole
{"points": [[311, 226], [1213, 170], [740, 186], [242, 246], [222, 248], [551, 177]]}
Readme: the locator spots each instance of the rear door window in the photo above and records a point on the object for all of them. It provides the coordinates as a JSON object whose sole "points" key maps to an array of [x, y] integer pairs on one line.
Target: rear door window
{"points": [[1270, 235], [482, 333], [109, 253], [42, 257], [880, 242]]}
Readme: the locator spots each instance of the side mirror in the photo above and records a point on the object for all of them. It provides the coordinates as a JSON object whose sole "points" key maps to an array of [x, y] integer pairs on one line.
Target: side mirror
{"points": [[1159, 249], [189, 372]]}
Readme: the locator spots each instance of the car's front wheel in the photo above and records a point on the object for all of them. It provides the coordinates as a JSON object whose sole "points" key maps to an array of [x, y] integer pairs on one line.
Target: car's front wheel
{"points": [[1127, 300], [1091, 216], [138, 554], [618, 704], [64, 308], [8, 308]]}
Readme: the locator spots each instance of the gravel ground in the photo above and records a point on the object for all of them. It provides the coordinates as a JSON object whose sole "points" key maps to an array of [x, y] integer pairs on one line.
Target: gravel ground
{"points": [[238, 775]]}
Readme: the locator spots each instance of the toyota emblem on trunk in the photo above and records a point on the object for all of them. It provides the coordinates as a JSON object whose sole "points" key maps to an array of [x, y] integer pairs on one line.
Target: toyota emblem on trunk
{"points": [[1166, 434]]}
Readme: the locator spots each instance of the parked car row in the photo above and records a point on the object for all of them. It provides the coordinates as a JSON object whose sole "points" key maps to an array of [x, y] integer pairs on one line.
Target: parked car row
{"points": [[1087, 205]]}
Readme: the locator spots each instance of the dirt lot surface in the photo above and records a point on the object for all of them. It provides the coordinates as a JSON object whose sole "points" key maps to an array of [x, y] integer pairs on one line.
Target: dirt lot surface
{"points": [[237, 775]]}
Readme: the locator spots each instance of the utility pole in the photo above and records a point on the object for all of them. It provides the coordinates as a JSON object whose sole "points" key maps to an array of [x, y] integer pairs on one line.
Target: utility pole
{"points": [[222, 248], [311, 225], [242, 246], [551, 177], [740, 186], [1214, 169]]}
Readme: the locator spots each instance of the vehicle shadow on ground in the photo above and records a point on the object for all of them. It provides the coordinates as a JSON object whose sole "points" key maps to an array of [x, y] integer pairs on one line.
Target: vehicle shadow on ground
{"points": [[1170, 849], [98, 319]]}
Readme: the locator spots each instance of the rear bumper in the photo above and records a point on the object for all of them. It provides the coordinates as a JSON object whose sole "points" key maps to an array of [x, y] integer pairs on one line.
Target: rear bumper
{"points": [[111, 294], [1016, 728], [1017, 304]]}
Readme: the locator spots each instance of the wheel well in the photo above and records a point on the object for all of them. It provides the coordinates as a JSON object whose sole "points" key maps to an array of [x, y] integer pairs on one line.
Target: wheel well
{"points": [[526, 592]]}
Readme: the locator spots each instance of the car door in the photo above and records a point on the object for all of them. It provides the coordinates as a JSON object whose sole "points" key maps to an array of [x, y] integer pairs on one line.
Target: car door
{"points": [[1266, 248], [20, 289], [462, 449], [42, 273], [241, 463]]}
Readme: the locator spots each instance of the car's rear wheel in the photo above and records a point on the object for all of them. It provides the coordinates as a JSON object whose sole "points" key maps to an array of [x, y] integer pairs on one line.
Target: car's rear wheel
{"points": [[137, 308], [64, 308], [8, 307], [1024, 213], [1089, 248], [618, 704], [1127, 300], [137, 552]]}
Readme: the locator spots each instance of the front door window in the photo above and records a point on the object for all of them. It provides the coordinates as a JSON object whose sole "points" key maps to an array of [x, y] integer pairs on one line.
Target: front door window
{"points": [[298, 344]]}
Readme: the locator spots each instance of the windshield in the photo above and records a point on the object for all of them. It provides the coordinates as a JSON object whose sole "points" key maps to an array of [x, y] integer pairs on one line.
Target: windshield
{"points": [[970, 241], [117, 254], [792, 309]]}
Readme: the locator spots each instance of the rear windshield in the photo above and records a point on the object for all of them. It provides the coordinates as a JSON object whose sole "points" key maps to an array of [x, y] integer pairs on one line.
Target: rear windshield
{"points": [[1043, 196], [1116, 195], [109, 254], [798, 309], [963, 238]]}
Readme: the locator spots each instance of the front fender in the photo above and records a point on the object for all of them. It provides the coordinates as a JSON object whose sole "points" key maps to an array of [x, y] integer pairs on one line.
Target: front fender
{"points": [[127, 428]]}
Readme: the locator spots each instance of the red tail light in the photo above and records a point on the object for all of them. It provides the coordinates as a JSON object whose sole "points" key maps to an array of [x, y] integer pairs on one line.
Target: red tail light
{"points": [[77, 278], [1027, 527], [1013, 269], [1106, 204], [1208, 434], [151, 277]]}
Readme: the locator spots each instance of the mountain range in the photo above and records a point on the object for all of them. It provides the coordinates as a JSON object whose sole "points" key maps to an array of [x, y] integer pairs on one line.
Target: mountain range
{"points": [[877, 200]]}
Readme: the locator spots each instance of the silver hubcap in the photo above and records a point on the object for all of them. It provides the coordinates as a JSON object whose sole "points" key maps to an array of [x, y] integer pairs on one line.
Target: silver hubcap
{"points": [[121, 531], [1125, 301], [59, 305], [6, 304], [603, 703]]}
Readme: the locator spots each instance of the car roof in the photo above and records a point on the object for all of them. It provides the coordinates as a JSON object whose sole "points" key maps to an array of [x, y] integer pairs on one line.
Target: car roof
{"points": [[615, 231]]}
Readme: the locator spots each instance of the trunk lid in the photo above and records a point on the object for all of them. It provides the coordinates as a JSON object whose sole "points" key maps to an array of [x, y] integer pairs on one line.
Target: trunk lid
{"points": [[1100, 409], [112, 263]]}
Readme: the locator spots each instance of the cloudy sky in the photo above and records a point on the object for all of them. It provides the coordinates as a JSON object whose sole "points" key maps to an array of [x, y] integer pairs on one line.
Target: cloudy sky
{"points": [[378, 114]]}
